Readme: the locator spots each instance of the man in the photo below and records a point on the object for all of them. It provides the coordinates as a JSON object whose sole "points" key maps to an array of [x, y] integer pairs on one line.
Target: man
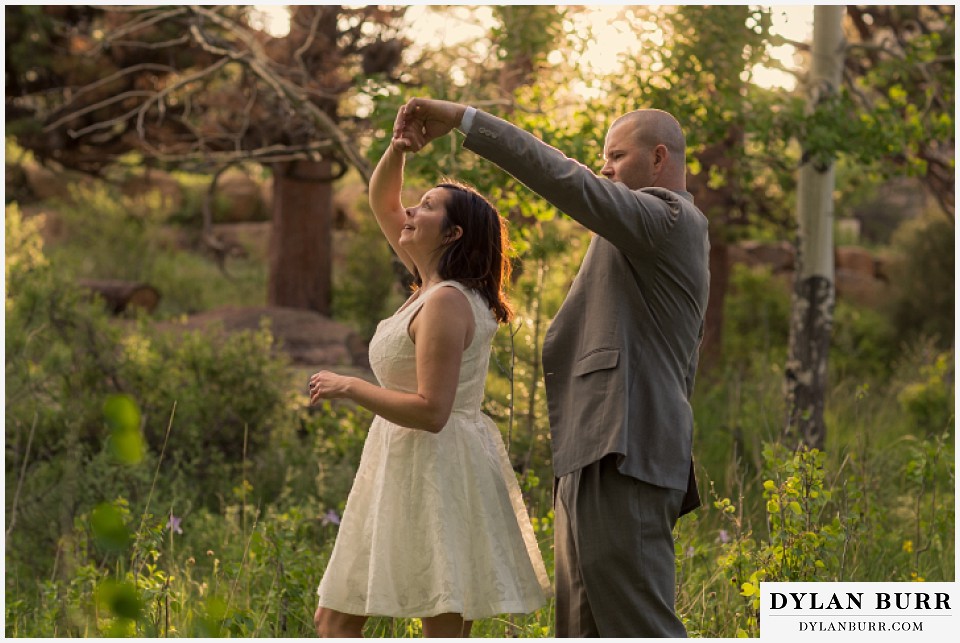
{"points": [[619, 359]]}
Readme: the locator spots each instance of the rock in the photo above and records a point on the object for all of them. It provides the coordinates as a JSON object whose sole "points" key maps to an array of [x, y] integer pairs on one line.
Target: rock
{"points": [[45, 183], [860, 277], [859, 288], [855, 259], [241, 198], [253, 237], [152, 182], [780, 257], [307, 337]]}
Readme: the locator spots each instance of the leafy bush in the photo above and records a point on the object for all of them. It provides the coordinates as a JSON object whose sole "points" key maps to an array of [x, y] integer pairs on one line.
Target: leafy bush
{"points": [[863, 345], [365, 288], [756, 314], [929, 403], [922, 279], [232, 397]]}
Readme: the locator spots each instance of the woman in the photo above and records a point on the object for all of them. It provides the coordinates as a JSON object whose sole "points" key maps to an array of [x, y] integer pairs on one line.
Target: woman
{"points": [[434, 526]]}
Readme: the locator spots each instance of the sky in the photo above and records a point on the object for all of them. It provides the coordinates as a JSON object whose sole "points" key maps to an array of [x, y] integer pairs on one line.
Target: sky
{"points": [[611, 38]]}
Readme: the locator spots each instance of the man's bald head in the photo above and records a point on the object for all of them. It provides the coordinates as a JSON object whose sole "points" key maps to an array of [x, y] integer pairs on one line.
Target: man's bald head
{"points": [[657, 127], [646, 148]]}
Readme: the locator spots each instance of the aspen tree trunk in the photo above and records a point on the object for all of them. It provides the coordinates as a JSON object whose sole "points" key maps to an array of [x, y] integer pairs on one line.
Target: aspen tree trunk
{"points": [[813, 297]]}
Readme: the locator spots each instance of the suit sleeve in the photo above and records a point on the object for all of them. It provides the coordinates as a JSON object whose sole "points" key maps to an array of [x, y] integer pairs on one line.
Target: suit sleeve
{"points": [[691, 373], [630, 219]]}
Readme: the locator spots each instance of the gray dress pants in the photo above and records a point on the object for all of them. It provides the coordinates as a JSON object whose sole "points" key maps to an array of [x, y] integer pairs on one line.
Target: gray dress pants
{"points": [[615, 561]]}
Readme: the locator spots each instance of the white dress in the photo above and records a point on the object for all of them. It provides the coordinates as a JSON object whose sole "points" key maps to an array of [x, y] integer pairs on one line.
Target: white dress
{"points": [[435, 522]]}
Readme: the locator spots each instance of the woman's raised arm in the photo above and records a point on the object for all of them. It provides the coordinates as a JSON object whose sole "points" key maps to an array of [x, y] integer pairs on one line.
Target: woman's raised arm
{"points": [[385, 186]]}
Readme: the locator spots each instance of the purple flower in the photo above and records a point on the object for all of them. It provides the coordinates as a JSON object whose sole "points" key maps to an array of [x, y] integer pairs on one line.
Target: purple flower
{"points": [[330, 518], [690, 552], [174, 524], [723, 536]]}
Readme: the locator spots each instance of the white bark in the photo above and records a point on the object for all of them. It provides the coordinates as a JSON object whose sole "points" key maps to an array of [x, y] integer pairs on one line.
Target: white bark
{"points": [[812, 315], [815, 188]]}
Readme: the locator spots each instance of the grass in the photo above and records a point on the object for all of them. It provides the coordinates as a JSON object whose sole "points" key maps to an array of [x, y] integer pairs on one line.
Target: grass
{"points": [[92, 550]]}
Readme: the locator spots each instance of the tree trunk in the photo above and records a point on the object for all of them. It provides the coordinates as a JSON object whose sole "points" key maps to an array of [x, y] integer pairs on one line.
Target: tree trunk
{"points": [[811, 319], [717, 203], [712, 348], [301, 255]]}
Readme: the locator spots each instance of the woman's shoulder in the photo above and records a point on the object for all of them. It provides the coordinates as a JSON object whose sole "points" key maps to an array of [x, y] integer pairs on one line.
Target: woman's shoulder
{"points": [[455, 293], [451, 293]]}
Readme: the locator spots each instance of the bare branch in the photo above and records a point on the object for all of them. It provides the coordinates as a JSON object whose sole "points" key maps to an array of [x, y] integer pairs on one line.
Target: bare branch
{"points": [[168, 90], [308, 41], [116, 76], [92, 108], [290, 94], [137, 44], [267, 154], [881, 47], [778, 40], [252, 43], [137, 25], [210, 239]]}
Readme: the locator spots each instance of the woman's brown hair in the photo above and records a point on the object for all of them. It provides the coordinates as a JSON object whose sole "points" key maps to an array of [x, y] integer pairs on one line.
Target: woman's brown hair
{"points": [[479, 257]]}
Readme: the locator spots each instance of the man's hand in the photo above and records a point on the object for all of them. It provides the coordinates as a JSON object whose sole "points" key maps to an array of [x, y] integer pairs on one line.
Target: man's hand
{"points": [[422, 120]]}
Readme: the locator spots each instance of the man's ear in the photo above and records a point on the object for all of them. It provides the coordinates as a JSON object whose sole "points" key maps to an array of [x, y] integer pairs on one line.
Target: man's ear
{"points": [[660, 156]]}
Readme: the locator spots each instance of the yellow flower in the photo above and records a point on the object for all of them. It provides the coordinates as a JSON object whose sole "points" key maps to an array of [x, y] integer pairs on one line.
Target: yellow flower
{"points": [[908, 546]]}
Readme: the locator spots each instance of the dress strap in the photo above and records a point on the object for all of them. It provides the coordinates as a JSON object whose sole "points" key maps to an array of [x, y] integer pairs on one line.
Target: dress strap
{"points": [[413, 309]]}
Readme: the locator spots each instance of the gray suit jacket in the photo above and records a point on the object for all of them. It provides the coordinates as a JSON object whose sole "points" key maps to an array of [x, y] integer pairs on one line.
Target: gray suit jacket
{"points": [[620, 357]]}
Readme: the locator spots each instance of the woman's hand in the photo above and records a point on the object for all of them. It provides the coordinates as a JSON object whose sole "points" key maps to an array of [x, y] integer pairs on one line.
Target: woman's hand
{"points": [[422, 120], [325, 385]]}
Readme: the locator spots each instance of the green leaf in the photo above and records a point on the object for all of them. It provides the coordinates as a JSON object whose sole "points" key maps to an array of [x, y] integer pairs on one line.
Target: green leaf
{"points": [[121, 599], [122, 416], [109, 530]]}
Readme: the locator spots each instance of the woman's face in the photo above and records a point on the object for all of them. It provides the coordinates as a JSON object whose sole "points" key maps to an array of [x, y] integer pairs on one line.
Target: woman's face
{"points": [[423, 229]]}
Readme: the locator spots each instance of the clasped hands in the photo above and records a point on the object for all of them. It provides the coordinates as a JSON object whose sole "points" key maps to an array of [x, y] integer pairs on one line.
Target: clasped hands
{"points": [[422, 120]]}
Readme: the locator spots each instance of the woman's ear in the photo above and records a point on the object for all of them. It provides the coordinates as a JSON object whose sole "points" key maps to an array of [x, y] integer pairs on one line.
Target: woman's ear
{"points": [[453, 234]]}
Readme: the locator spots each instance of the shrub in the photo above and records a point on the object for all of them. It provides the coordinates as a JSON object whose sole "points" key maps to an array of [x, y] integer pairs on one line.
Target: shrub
{"points": [[365, 288], [929, 403], [863, 344], [922, 279], [756, 314], [233, 396]]}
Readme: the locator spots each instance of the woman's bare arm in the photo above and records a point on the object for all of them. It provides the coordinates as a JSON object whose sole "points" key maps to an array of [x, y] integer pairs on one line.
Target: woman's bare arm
{"points": [[441, 331], [385, 186]]}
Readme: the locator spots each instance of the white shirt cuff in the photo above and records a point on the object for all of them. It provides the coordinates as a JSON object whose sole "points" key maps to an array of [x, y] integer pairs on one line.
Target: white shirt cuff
{"points": [[466, 123]]}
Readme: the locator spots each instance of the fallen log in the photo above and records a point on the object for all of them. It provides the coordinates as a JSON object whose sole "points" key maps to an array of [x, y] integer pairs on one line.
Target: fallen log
{"points": [[119, 295]]}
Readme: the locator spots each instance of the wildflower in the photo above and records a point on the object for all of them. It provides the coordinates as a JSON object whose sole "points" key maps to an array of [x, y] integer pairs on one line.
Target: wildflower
{"points": [[723, 536], [690, 552], [174, 524], [330, 518], [908, 546]]}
